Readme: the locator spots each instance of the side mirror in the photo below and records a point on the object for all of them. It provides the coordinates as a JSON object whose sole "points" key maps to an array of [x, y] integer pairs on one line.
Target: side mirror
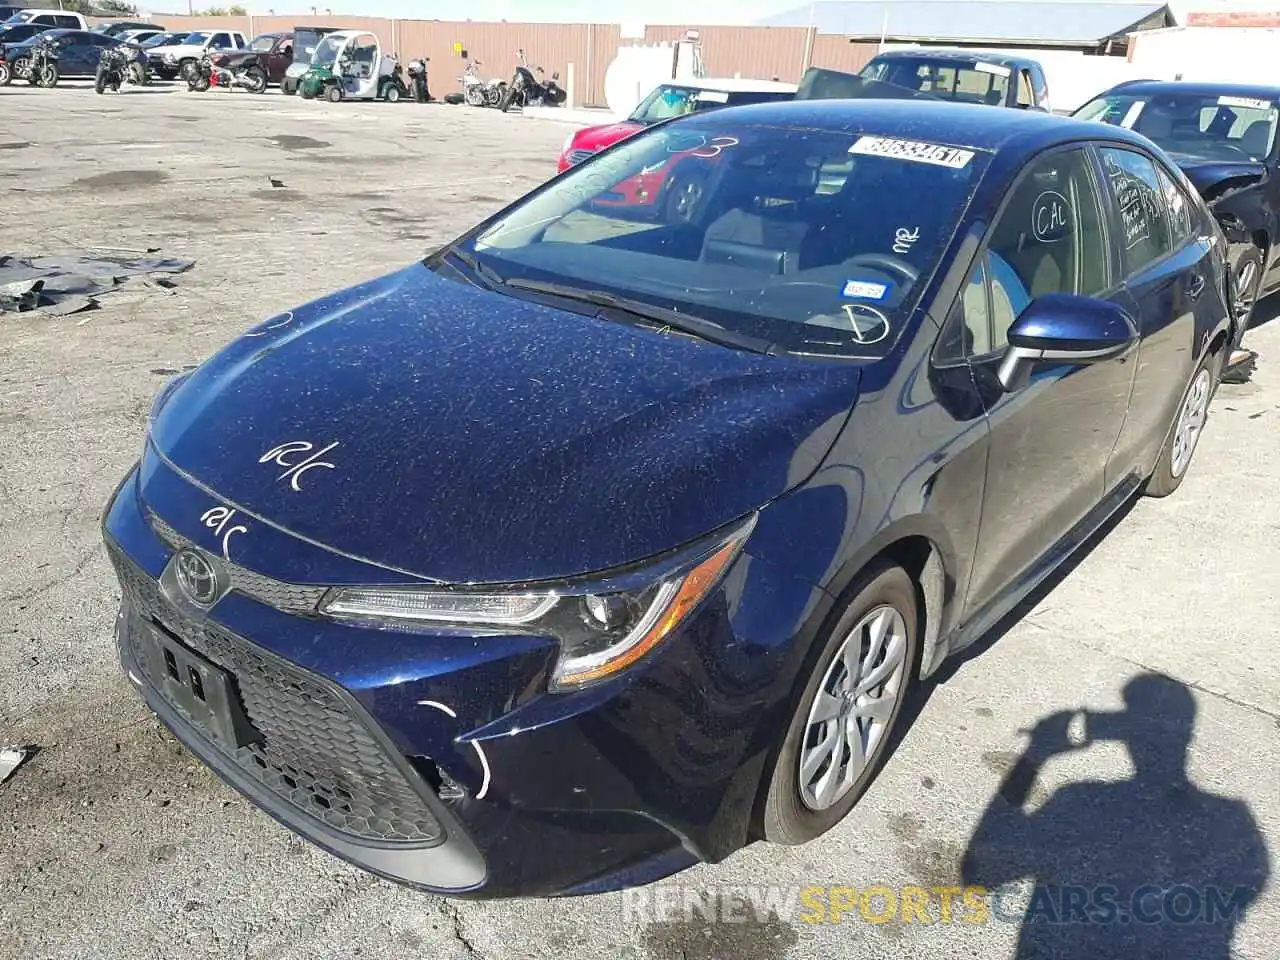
{"points": [[1064, 328]]}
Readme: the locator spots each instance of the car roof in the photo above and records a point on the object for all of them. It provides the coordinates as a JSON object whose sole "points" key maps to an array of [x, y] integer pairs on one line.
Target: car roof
{"points": [[732, 84], [933, 53], [954, 124], [1197, 88]]}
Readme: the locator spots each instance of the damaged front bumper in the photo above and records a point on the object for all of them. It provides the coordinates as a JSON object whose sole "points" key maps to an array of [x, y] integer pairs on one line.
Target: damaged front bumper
{"points": [[425, 758]]}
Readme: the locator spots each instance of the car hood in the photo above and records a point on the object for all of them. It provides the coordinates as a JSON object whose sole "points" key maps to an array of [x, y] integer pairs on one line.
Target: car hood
{"points": [[1216, 178], [606, 135], [452, 433], [177, 48]]}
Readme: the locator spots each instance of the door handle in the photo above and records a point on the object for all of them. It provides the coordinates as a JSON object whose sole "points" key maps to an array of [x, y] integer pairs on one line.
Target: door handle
{"points": [[1195, 286]]}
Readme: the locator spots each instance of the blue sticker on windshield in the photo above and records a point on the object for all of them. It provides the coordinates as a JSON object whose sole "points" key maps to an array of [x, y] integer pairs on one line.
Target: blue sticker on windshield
{"points": [[865, 290]]}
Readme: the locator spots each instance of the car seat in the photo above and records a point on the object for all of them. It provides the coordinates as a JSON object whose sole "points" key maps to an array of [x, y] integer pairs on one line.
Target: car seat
{"points": [[1256, 139], [765, 228]]}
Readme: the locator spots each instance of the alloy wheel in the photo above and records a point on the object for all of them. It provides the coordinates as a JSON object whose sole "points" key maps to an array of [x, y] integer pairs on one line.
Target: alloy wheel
{"points": [[851, 712], [1191, 419], [1246, 288], [685, 200]]}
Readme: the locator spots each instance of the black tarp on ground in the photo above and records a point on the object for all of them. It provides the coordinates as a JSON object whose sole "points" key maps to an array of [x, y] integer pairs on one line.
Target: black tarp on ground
{"points": [[67, 283]]}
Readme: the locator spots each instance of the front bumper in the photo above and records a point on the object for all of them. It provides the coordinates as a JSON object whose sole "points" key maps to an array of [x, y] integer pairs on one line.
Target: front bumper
{"points": [[507, 792]]}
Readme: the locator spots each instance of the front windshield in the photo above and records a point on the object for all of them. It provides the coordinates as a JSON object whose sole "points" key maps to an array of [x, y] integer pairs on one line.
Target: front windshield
{"points": [[162, 39], [959, 80], [817, 240], [1199, 127], [262, 43], [327, 51], [669, 100]]}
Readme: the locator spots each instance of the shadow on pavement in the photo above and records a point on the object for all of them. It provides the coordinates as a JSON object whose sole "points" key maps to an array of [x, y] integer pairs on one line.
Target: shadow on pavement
{"points": [[1151, 867]]}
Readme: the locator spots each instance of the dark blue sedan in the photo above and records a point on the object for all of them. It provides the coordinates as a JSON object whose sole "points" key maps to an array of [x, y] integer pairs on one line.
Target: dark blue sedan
{"points": [[592, 548], [78, 52]]}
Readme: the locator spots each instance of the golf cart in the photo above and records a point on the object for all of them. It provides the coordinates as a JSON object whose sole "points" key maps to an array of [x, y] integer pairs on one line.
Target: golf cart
{"points": [[350, 65], [305, 41]]}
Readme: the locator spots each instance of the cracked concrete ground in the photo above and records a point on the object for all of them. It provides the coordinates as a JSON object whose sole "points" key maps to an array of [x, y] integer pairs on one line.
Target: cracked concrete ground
{"points": [[114, 842]]}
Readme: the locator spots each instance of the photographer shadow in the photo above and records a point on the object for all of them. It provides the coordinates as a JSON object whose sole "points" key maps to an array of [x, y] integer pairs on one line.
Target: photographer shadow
{"points": [[1150, 867]]}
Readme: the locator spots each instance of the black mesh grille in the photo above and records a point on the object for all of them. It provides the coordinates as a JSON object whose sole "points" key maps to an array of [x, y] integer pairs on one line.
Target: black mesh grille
{"points": [[314, 752]]}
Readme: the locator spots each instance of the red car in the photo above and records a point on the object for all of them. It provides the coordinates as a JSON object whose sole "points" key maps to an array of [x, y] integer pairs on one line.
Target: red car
{"points": [[659, 190]]}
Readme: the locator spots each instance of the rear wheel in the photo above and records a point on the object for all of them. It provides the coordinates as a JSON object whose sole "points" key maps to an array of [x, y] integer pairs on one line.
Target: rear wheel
{"points": [[187, 70], [838, 736], [137, 75], [100, 79], [393, 93], [288, 86], [5, 73], [1184, 434], [334, 93], [508, 95]]}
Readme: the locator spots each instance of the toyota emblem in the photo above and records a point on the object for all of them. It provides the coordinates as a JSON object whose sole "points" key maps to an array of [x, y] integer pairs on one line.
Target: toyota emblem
{"points": [[196, 577]]}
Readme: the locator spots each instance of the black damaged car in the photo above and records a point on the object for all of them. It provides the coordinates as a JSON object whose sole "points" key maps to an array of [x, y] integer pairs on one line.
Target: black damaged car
{"points": [[1223, 137]]}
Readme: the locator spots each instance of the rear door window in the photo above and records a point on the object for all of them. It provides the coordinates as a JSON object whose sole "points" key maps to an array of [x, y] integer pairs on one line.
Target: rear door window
{"points": [[1140, 201]]}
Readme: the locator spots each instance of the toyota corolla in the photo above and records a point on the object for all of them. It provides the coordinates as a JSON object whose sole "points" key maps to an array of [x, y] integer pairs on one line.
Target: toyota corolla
{"points": [[589, 549]]}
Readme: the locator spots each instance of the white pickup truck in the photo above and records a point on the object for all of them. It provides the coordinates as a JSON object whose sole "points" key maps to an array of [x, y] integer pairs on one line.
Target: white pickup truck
{"points": [[175, 60]]}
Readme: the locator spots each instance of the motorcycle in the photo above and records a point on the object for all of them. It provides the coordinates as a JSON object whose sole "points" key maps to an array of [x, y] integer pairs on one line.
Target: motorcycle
{"points": [[418, 79], [527, 90], [477, 92], [42, 66], [115, 69], [206, 74]]}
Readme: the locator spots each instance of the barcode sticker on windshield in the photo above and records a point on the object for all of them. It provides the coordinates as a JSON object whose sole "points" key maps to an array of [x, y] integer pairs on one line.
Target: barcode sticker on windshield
{"points": [[712, 96], [1249, 103], [933, 153], [999, 69]]}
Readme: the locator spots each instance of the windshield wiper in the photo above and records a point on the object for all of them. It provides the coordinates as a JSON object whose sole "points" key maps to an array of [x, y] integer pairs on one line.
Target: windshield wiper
{"points": [[490, 276], [665, 318]]}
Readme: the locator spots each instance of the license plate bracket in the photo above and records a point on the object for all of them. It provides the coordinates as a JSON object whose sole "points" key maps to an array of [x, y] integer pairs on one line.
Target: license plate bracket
{"points": [[201, 689]]}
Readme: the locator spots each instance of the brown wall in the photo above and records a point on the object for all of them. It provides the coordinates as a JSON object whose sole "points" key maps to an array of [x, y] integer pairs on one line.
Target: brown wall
{"points": [[757, 52]]}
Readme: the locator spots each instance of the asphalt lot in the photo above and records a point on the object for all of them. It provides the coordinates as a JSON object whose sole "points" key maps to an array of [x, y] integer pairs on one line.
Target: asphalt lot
{"points": [[115, 843]]}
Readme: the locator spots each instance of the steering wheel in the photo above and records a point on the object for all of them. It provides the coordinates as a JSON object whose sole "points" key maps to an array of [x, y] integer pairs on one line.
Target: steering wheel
{"points": [[886, 262], [1236, 147]]}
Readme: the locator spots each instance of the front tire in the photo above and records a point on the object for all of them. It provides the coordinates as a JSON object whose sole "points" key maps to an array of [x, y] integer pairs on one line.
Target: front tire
{"points": [[507, 97], [100, 79], [48, 77], [259, 79], [838, 737], [334, 93], [392, 95], [187, 70], [5, 73], [137, 76], [1184, 434], [288, 86]]}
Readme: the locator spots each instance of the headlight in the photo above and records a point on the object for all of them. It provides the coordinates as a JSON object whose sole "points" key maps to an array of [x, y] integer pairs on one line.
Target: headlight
{"points": [[169, 58], [603, 625]]}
